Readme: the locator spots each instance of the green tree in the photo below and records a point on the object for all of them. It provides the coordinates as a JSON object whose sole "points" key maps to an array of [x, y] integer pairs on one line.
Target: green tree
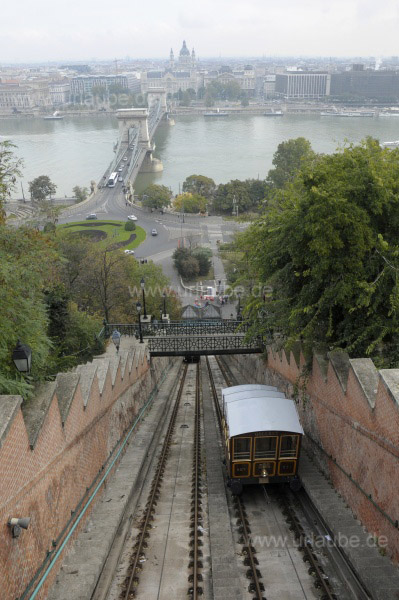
{"points": [[189, 203], [186, 99], [28, 265], [156, 196], [9, 171], [80, 193], [229, 193], [189, 268], [199, 184], [130, 226], [41, 187], [327, 246], [209, 100], [99, 91], [244, 101], [289, 157], [204, 258]]}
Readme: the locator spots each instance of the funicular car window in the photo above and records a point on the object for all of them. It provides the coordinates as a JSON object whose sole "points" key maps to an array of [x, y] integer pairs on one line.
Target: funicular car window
{"points": [[242, 448], [288, 446], [265, 447]]}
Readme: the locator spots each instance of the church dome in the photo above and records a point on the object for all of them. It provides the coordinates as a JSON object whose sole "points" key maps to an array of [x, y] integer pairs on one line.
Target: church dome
{"points": [[184, 51]]}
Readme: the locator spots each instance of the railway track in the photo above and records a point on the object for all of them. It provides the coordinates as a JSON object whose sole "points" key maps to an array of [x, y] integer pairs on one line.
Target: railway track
{"points": [[132, 579], [332, 576], [253, 574]]}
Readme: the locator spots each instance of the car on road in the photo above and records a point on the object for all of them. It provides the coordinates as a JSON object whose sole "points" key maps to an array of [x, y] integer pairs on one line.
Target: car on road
{"points": [[91, 217], [125, 158], [131, 147], [154, 232], [120, 169], [129, 251], [132, 218], [120, 178]]}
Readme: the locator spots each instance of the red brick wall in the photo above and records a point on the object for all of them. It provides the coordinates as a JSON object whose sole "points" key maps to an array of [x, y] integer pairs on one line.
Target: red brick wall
{"points": [[361, 438], [46, 483]]}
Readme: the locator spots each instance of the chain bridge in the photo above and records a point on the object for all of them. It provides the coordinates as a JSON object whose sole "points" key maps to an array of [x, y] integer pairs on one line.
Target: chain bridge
{"points": [[134, 148], [192, 338]]}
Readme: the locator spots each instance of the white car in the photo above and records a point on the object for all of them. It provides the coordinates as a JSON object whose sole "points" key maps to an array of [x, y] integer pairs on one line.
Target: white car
{"points": [[129, 251], [120, 169], [132, 218], [125, 158], [120, 178]]}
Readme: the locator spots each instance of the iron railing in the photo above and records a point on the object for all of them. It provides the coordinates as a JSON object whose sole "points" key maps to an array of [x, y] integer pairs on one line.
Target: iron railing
{"points": [[204, 345], [177, 328]]}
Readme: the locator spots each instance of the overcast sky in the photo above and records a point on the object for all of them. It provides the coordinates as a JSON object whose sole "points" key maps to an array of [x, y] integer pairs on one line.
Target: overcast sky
{"points": [[39, 30]]}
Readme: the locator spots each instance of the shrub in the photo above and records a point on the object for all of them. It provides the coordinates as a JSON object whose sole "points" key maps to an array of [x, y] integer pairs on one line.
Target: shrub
{"points": [[130, 226]]}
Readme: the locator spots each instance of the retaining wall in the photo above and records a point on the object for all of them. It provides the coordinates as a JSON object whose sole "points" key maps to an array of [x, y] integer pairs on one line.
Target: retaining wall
{"points": [[350, 414], [53, 447]]}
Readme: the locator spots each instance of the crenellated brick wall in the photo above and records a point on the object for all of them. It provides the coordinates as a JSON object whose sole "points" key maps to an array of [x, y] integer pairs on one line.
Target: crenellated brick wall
{"points": [[350, 414], [53, 446]]}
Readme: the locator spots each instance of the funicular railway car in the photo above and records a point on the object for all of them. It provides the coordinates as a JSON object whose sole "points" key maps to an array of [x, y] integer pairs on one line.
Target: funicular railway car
{"points": [[262, 436]]}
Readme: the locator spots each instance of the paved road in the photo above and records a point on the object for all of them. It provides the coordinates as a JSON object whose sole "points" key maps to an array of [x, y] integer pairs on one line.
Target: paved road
{"points": [[109, 203]]}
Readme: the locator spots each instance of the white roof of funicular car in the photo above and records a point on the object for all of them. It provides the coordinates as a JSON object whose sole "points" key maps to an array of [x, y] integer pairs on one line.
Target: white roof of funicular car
{"points": [[261, 414], [246, 387]]}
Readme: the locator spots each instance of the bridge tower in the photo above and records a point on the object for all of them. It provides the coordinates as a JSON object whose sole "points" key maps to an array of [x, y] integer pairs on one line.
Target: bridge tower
{"points": [[133, 117], [155, 95]]}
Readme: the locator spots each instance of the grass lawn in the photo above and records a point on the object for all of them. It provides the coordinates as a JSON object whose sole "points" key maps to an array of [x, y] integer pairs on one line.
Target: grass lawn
{"points": [[106, 232]]}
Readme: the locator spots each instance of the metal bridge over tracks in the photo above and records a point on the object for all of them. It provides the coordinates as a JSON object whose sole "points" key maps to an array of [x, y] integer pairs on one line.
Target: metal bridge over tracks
{"points": [[194, 338]]}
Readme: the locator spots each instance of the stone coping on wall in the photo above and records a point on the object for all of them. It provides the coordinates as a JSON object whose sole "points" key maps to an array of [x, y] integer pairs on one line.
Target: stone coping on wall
{"points": [[82, 567], [376, 572]]}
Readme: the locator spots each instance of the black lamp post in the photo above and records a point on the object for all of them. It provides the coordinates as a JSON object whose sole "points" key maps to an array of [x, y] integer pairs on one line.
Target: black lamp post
{"points": [[142, 283], [138, 308], [164, 302], [22, 357], [239, 306]]}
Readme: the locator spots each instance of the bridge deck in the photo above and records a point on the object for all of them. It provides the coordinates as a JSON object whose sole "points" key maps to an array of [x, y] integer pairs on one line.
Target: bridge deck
{"points": [[203, 345]]}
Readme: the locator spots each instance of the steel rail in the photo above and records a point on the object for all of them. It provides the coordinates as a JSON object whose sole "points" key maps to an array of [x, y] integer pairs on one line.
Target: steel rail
{"points": [[154, 493], [253, 573], [196, 509], [336, 556], [321, 580]]}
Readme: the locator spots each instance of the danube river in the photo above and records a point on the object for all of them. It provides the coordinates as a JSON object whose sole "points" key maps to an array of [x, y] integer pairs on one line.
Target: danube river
{"points": [[76, 150]]}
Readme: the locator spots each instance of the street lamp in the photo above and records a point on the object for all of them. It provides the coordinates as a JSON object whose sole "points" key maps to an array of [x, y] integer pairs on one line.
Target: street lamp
{"points": [[239, 306], [138, 308], [22, 357], [164, 302], [142, 284]]}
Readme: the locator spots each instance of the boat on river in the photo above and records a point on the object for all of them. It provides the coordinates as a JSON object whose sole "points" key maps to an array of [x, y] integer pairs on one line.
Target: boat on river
{"points": [[216, 113], [347, 113], [54, 117], [391, 144], [273, 113]]}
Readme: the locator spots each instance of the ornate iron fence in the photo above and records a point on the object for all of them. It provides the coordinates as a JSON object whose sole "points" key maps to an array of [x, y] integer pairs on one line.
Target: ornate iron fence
{"points": [[203, 345], [178, 328]]}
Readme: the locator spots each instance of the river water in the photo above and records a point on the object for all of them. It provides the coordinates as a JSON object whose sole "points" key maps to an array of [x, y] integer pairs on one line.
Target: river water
{"points": [[76, 150]]}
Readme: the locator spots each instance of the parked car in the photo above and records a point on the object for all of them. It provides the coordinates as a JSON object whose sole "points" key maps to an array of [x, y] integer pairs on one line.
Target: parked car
{"points": [[129, 251], [132, 218], [92, 216], [154, 232]]}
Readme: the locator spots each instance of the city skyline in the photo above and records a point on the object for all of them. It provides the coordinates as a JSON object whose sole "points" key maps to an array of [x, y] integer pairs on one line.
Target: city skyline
{"points": [[90, 31]]}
